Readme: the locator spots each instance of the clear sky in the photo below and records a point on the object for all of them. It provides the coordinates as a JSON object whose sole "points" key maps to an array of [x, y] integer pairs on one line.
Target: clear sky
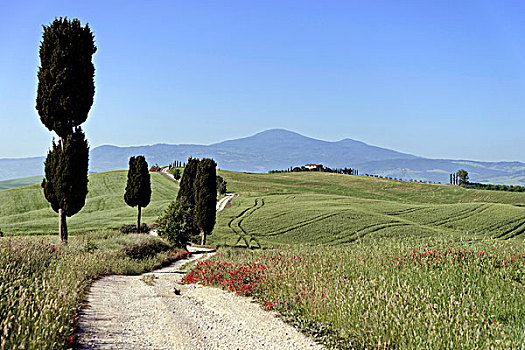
{"points": [[441, 79]]}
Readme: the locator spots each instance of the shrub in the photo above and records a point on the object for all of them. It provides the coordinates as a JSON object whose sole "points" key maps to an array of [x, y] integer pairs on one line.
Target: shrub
{"points": [[221, 185], [146, 249], [128, 228], [176, 173], [177, 224]]}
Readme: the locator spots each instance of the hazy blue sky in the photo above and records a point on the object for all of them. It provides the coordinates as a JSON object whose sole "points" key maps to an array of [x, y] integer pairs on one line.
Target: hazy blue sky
{"points": [[432, 78]]}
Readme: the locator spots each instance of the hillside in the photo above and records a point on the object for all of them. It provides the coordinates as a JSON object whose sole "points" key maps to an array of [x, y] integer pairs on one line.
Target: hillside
{"points": [[24, 210], [24, 181], [340, 209], [331, 208], [280, 149]]}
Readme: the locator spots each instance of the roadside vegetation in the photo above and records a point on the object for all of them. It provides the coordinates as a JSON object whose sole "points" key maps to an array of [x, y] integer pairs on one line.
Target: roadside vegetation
{"points": [[194, 210], [383, 294], [43, 283], [371, 263]]}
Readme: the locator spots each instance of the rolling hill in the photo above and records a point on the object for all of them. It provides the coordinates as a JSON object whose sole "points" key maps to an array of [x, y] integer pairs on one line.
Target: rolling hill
{"points": [[292, 207], [24, 210], [338, 209], [280, 149], [24, 181]]}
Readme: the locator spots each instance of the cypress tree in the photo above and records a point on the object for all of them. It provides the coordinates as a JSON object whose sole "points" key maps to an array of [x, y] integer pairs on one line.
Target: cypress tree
{"points": [[65, 78], [65, 94], [138, 187], [205, 196], [65, 182], [462, 177], [186, 193]]}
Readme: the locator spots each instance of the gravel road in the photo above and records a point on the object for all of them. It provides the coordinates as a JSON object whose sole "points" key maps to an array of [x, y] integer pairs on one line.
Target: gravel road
{"points": [[221, 204], [166, 172], [125, 312]]}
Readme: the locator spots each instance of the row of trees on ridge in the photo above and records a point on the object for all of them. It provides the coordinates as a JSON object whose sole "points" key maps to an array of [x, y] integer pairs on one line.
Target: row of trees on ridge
{"points": [[348, 171]]}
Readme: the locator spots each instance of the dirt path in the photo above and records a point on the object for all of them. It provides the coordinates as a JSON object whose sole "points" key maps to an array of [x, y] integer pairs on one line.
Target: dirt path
{"points": [[221, 204], [125, 312], [166, 172]]}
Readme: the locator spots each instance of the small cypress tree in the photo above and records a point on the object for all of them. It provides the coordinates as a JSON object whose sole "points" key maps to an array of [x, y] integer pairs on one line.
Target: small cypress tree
{"points": [[186, 193], [462, 177], [138, 187], [205, 196]]}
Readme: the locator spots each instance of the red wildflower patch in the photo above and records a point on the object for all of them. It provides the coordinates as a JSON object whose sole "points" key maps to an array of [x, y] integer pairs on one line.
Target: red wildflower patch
{"points": [[245, 280]]}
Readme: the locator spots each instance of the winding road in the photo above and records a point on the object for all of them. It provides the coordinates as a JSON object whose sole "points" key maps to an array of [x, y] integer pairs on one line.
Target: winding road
{"points": [[156, 311]]}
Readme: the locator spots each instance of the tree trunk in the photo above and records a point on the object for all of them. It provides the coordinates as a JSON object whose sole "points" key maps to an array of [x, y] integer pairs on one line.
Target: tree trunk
{"points": [[203, 241], [62, 226], [138, 221]]}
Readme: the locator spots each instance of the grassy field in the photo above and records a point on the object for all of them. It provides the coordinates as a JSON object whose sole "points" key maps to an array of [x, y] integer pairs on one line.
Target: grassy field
{"points": [[7, 184], [24, 210], [340, 209]]}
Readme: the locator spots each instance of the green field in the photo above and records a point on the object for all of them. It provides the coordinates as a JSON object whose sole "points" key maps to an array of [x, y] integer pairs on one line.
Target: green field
{"points": [[292, 208], [340, 209], [24, 181], [24, 210]]}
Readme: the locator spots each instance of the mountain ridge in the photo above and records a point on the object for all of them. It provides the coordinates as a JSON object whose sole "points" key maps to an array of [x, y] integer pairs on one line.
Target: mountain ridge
{"points": [[279, 149]]}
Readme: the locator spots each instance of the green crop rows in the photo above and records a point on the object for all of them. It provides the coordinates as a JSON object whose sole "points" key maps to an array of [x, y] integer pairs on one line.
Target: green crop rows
{"points": [[338, 209]]}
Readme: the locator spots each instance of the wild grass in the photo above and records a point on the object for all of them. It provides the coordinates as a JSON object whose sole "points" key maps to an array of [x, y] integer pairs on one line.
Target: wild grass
{"points": [[387, 295], [43, 284], [24, 210]]}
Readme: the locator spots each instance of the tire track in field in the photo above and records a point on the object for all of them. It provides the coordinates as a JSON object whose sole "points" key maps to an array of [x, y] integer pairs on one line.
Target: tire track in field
{"points": [[405, 211], [519, 228], [236, 222], [302, 224], [461, 215], [375, 228], [518, 232]]}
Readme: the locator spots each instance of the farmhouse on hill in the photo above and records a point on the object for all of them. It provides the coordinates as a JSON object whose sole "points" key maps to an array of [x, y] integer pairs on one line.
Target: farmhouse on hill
{"points": [[313, 166]]}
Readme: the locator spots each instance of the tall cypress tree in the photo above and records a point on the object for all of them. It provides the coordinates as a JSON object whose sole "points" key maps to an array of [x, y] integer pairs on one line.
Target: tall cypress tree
{"points": [[65, 94], [186, 193], [138, 187], [205, 196]]}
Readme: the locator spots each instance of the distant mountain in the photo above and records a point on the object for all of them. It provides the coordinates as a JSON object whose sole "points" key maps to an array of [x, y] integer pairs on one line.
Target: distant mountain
{"points": [[15, 168], [280, 149], [272, 149]]}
